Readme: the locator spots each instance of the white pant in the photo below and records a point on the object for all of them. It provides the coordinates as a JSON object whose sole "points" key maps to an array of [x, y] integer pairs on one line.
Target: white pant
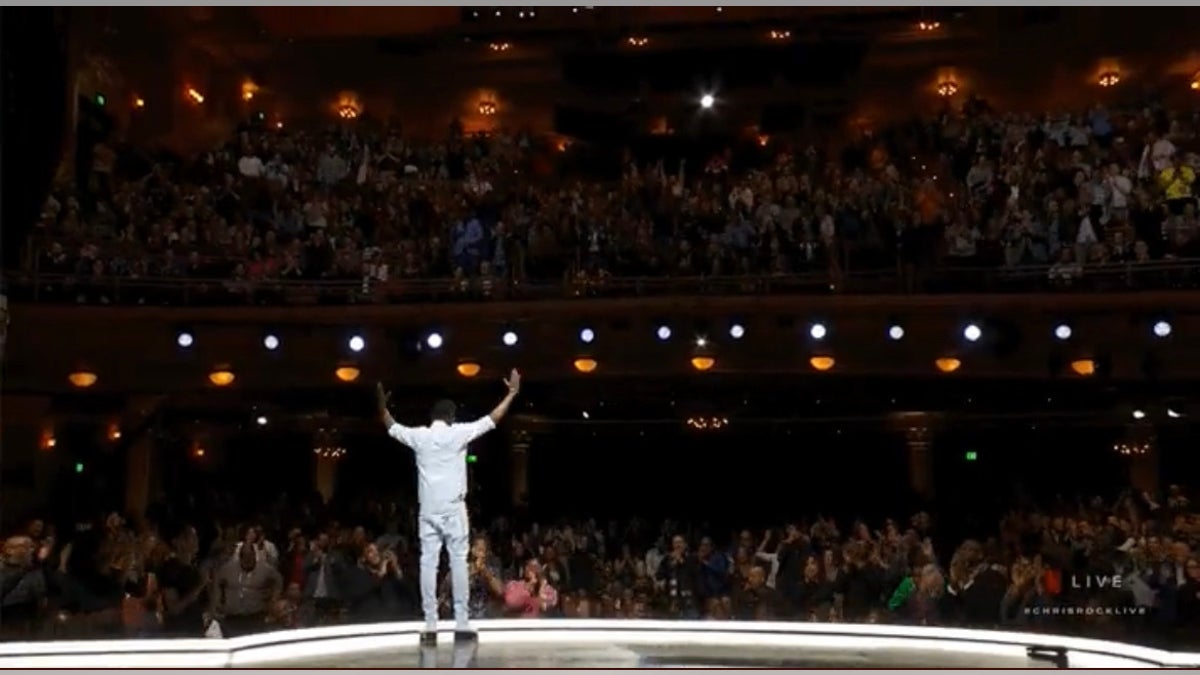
{"points": [[452, 530]]}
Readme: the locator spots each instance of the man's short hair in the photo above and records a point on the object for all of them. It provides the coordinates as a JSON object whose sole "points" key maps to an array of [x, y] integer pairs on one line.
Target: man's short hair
{"points": [[444, 411]]}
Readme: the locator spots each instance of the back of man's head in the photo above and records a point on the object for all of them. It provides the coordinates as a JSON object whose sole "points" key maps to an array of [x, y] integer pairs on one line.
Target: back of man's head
{"points": [[444, 411]]}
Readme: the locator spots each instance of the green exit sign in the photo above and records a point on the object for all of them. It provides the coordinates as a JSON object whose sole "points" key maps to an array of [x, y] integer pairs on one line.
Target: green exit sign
{"points": [[78, 467], [971, 456], [471, 459]]}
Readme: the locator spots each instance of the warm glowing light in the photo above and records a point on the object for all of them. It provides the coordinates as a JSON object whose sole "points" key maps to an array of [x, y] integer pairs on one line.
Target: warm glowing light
{"points": [[948, 364], [500, 46], [347, 113], [780, 34], [279, 124], [347, 373], [114, 432], [249, 89], [928, 26], [763, 140], [198, 452], [221, 378], [194, 96], [638, 41], [1084, 367], [82, 379], [468, 369], [47, 440], [703, 363], [1195, 85], [1109, 78], [488, 108], [822, 363], [348, 106], [139, 102], [707, 423], [585, 365], [947, 88]]}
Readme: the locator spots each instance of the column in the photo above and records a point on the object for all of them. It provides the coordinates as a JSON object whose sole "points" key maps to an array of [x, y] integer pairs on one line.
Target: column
{"points": [[1144, 468], [519, 469], [920, 462], [29, 466], [142, 480], [325, 477]]}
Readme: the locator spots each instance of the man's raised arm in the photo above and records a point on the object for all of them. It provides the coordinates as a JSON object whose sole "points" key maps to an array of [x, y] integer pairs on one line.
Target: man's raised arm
{"points": [[381, 398], [514, 387]]}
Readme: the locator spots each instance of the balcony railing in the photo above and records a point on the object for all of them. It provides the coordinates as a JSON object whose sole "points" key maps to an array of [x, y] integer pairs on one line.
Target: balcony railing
{"points": [[33, 286]]}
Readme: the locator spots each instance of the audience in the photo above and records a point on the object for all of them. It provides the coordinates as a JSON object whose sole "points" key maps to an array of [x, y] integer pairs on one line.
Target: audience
{"points": [[361, 213], [1031, 573]]}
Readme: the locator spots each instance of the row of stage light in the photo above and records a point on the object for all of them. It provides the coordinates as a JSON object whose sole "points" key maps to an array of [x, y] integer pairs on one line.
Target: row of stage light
{"points": [[702, 361]]}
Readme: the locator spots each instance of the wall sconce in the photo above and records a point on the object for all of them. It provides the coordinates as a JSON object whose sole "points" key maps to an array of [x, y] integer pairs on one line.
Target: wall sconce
{"points": [[638, 41], [468, 369], [1195, 85], [194, 96], [47, 441], [822, 363], [347, 113], [947, 88], [928, 26], [763, 140], [780, 34], [948, 364], [487, 108], [1083, 367], [703, 363], [249, 89], [139, 102], [586, 365], [500, 46], [347, 373], [82, 378], [114, 432], [221, 378], [1109, 78]]}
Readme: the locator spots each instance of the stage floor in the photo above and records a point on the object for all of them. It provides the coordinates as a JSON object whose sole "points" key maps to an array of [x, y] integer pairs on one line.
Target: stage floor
{"points": [[623, 649]]}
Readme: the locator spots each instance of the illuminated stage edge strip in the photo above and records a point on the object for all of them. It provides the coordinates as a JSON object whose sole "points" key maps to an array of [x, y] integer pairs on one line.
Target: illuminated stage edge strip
{"points": [[292, 645]]}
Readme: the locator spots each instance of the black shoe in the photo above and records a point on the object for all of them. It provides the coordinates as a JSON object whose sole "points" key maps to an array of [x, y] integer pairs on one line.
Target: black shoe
{"points": [[428, 638], [465, 636]]}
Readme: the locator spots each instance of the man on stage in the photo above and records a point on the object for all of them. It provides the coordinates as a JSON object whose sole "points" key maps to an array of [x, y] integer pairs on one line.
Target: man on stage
{"points": [[441, 454]]}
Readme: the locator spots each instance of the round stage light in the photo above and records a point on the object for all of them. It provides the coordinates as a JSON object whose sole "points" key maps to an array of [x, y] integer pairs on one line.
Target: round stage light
{"points": [[972, 333], [357, 344], [896, 332], [434, 341], [817, 331], [185, 340], [664, 333], [1139, 414], [586, 336], [510, 338], [271, 342], [1062, 331], [1162, 329], [737, 331], [707, 101], [261, 421]]}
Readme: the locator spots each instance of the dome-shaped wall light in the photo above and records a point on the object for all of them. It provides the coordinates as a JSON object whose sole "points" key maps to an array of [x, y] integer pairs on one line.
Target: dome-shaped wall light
{"points": [[82, 378], [948, 364], [347, 373], [222, 377]]}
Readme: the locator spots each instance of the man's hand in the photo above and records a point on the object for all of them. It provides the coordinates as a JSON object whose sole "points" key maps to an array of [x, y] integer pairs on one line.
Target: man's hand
{"points": [[513, 382], [382, 397]]}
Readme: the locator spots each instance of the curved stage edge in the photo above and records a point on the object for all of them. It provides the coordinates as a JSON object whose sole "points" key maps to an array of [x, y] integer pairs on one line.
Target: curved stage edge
{"points": [[595, 643]]}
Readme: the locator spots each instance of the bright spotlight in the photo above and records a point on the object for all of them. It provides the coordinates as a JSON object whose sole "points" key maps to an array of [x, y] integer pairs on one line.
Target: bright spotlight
{"points": [[184, 340], [271, 342], [736, 331], [896, 332], [817, 331], [707, 100], [357, 344], [261, 421], [1139, 414], [1062, 332], [510, 339], [434, 341], [1173, 413], [664, 332], [586, 416], [586, 336], [972, 333], [1162, 329], [701, 342]]}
